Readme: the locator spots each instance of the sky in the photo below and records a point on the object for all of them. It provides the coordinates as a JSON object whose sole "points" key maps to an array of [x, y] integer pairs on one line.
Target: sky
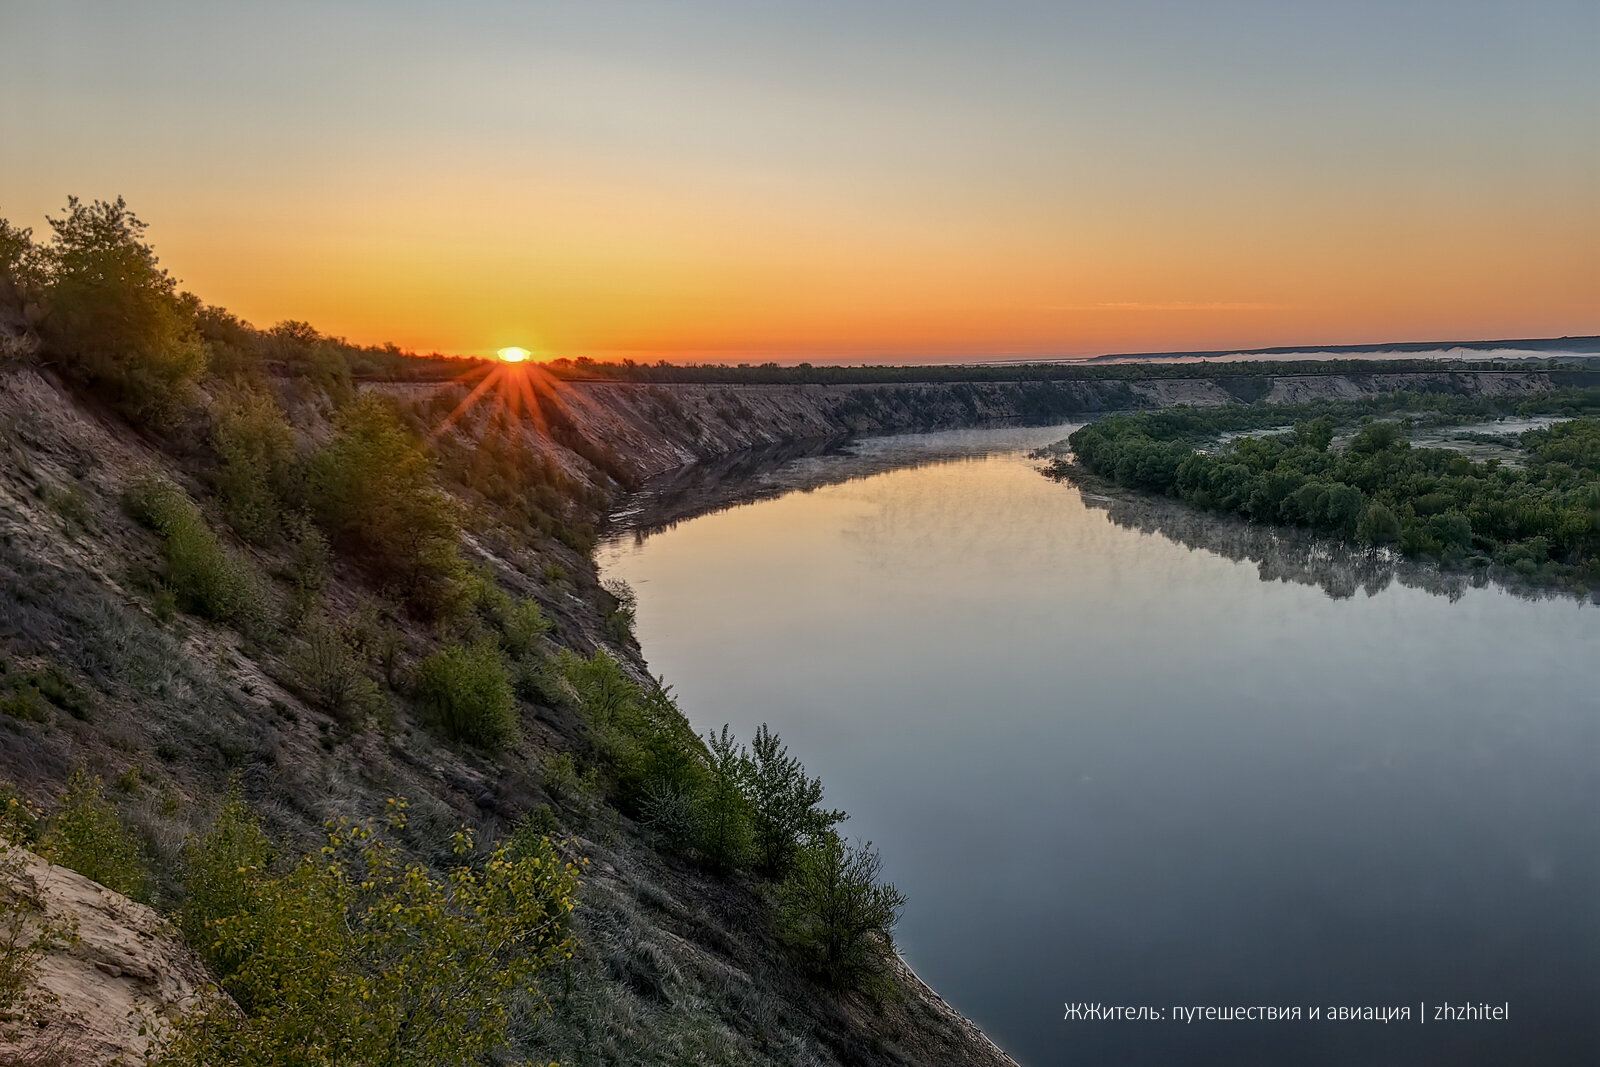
{"points": [[834, 181]]}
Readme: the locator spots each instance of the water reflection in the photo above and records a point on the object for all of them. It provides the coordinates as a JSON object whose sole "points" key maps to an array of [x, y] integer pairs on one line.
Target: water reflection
{"points": [[1108, 762], [1288, 555], [763, 473]]}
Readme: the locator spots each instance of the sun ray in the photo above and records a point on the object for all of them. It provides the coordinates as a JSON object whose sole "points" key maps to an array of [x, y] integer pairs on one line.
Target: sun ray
{"points": [[519, 387], [467, 402]]}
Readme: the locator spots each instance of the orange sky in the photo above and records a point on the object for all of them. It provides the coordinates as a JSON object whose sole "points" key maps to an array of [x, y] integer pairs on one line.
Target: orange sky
{"points": [[838, 185]]}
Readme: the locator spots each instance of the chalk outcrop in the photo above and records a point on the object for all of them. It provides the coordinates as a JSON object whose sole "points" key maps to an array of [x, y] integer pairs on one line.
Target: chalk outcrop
{"points": [[103, 994]]}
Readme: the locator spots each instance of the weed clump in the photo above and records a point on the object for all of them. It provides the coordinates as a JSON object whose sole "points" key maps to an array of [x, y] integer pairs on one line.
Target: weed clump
{"points": [[469, 691]]}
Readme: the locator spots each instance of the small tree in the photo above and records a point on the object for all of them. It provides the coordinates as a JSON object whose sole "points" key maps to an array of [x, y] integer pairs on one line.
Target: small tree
{"points": [[21, 265], [836, 914], [255, 445], [724, 809], [783, 802], [115, 316], [372, 489]]}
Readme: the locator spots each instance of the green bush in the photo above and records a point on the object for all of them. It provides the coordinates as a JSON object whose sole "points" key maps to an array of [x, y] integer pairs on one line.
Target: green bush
{"points": [[469, 691], [639, 734], [372, 489], [24, 703], [207, 578], [225, 874], [27, 695], [334, 672], [115, 317], [521, 628], [561, 777], [86, 835], [256, 449], [836, 915], [353, 957], [540, 682], [668, 814]]}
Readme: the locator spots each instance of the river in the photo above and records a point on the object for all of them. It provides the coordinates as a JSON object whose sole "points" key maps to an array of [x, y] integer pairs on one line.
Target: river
{"points": [[1117, 753]]}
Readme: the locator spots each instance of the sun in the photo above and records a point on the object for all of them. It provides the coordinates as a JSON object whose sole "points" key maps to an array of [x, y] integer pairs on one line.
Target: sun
{"points": [[513, 354]]}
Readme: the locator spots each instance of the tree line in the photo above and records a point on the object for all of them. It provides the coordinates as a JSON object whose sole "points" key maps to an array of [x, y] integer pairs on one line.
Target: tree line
{"points": [[1539, 519]]}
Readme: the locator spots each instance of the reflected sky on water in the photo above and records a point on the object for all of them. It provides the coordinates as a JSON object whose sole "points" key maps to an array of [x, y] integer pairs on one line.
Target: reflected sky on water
{"points": [[1113, 764]]}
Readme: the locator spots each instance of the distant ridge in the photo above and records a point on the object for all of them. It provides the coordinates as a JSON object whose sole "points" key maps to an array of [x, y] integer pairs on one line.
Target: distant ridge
{"points": [[1580, 345]]}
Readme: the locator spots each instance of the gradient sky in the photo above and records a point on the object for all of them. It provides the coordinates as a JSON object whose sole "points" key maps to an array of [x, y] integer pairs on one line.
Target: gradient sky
{"points": [[834, 180]]}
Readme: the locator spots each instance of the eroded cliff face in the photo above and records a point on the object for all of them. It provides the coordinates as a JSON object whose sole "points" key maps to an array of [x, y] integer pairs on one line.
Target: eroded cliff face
{"points": [[654, 428], [107, 986], [675, 964]]}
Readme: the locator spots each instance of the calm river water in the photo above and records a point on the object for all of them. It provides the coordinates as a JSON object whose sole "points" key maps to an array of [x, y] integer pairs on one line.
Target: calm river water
{"points": [[1114, 765]]}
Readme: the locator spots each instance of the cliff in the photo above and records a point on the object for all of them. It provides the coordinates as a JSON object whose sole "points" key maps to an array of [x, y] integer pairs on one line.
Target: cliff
{"points": [[676, 964]]}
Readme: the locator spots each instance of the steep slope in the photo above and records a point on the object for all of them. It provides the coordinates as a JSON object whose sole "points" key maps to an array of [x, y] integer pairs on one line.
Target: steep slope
{"points": [[675, 964]]}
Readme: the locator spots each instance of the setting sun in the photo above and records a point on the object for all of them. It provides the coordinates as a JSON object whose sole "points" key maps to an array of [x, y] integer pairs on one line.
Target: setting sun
{"points": [[513, 354]]}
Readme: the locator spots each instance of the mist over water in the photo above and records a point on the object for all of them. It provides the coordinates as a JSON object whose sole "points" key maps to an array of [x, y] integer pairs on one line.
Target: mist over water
{"points": [[1107, 766]]}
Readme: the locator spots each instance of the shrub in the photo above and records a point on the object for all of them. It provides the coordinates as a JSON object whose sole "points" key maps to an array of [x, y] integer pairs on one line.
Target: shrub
{"points": [[86, 835], [519, 623], [224, 875], [19, 824], [469, 691], [372, 489], [335, 672], [540, 682], [26, 932], [836, 915], [530, 832], [115, 317], [207, 579], [308, 564], [605, 692], [27, 695], [353, 957], [669, 815], [255, 445], [25, 704], [561, 776], [521, 627], [639, 733]]}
